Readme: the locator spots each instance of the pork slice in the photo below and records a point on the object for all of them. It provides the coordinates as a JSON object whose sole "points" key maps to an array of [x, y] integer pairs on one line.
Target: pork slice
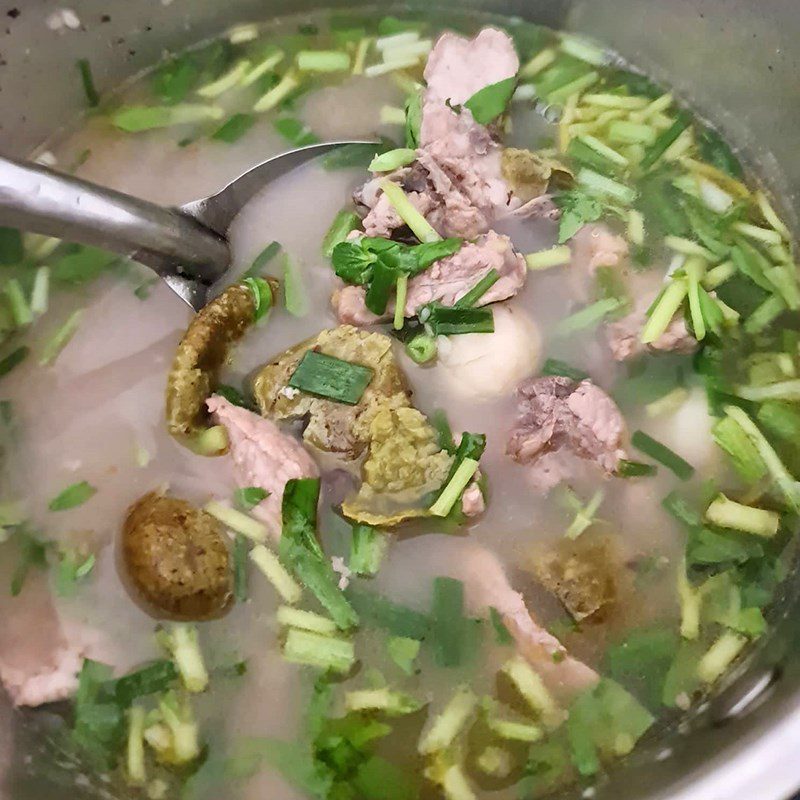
{"points": [[486, 586], [557, 415], [263, 456], [472, 501], [595, 245], [383, 220], [446, 281]]}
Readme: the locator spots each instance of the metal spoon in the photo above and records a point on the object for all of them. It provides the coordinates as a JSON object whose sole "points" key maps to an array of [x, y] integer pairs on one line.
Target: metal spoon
{"points": [[187, 246]]}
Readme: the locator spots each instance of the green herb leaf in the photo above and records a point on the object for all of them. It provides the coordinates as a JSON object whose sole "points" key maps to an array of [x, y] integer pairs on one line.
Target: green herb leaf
{"points": [[295, 131], [380, 612], [12, 249], [448, 622], [716, 151], [155, 677], [449, 321], [232, 395], [81, 265], [490, 102], [635, 469], [75, 495], [331, 378], [403, 651], [13, 359], [249, 496], [413, 119], [240, 550], [577, 208], [343, 223], [85, 69], [554, 366], [32, 554], [502, 636], [295, 296], [72, 568], [262, 259], [367, 548], [354, 156]]}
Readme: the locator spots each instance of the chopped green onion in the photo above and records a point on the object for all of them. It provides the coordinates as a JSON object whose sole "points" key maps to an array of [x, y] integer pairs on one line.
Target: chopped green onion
{"points": [[455, 320], [262, 296], [316, 650], [382, 613], [155, 677], [719, 656], [514, 731], [361, 55], [284, 584], [580, 84], [134, 119], [471, 297], [540, 61], [277, 93], [751, 262], [765, 315], [729, 435], [695, 267], [295, 131], [262, 68], [237, 521], [135, 770], [495, 762], [40, 292], [209, 442], [13, 359], [691, 600], [666, 139], [764, 235], [783, 390], [331, 378], [367, 549], [445, 727], [784, 278], [323, 61], [719, 275], [624, 132], [229, 80], [729, 514], [787, 484], [295, 297], [85, 69], [598, 184], [664, 310], [532, 689], [553, 257], [587, 317], [234, 128], [447, 622], [184, 644], [240, 549], [454, 488], [768, 212], [403, 651], [393, 704], [305, 620], [585, 516], [668, 404], [71, 497], [400, 301], [780, 419], [20, 310], [82, 265], [420, 227], [634, 469], [392, 115], [422, 348], [554, 366], [661, 453], [12, 249], [502, 636], [392, 160], [687, 247], [343, 223]]}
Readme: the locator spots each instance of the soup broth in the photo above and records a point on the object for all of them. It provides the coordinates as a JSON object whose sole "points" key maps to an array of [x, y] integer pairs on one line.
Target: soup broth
{"points": [[637, 563]]}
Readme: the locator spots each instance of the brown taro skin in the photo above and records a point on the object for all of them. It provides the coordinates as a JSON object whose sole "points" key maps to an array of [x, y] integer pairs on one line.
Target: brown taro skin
{"points": [[201, 353], [176, 557]]}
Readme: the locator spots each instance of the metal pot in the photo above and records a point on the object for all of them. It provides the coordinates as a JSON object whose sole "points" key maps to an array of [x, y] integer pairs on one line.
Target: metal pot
{"points": [[734, 59]]}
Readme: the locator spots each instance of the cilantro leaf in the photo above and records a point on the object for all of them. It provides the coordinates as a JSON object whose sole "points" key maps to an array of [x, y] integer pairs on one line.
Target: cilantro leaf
{"points": [[490, 102], [577, 208]]}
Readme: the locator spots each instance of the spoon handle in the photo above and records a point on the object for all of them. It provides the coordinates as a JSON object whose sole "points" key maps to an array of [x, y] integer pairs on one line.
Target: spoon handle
{"points": [[38, 199]]}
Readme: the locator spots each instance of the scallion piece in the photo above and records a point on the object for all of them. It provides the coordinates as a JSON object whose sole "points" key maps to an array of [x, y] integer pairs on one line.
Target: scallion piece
{"points": [[450, 321], [20, 309], [763, 235], [237, 521], [718, 275], [295, 131], [331, 378], [405, 209], [532, 689], [12, 248], [75, 495], [780, 419], [13, 359], [667, 404], [545, 259], [764, 315], [240, 550], [225, 82], [400, 301], [444, 728], [134, 119], [269, 564], [135, 769], [85, 69], [666, 139], [40, 293], [392, 115], [470, 298], [344, 222], [661, 453], [447, 622], [277, 93], [625, 132], [183, 643], [584, 518], [209, 441], [664, 310], [422, 348], [454, 488], [554, 366], [587, 317], [392, 160], [305, 620], [720, 656], [728, 513], [393, 704], [323, 61], [316, 650], [234, 128], [262, 296], [403, 651], [262, 68], [695, 268], [635, 469], [598, 184], [367, 549], [787, 484], [782, 390], [295, 297], [60, 338]]}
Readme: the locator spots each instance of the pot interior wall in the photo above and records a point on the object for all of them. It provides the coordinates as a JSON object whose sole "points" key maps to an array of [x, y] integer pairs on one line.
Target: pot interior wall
{"points": [[737, 60]]}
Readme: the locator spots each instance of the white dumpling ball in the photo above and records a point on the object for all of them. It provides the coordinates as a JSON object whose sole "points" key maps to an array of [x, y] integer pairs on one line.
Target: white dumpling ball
{"points": [[481, 366]]}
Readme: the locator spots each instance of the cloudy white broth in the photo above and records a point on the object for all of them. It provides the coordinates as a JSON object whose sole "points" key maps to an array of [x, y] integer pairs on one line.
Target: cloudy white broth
{"points": [[479, 471]]}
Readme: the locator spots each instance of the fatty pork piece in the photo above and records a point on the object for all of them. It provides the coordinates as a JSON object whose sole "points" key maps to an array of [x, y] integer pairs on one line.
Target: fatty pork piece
{"points": [[487, 586], [446, 280], [558, 418], [402, 461], [595, 246], [263, 456]]}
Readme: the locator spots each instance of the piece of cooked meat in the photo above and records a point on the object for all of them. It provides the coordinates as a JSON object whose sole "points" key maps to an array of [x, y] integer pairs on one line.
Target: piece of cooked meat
{"points": [[340, 429], [557, 414], [595, 245], [584, 573], [623, 336], [176, 557], [447, 280], [201, 353], [263, 456], [486, 586], [473, 502]]}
